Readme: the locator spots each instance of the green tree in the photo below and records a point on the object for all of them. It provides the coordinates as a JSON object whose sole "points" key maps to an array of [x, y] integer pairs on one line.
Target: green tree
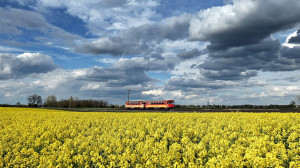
{"points": [[51, 101]]}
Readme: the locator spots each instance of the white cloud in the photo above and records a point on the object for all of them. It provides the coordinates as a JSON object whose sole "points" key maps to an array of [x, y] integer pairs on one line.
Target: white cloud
{"points": [[157, 92], [291, 45], [212, 20], [188, 66], [141, 40], [169, 45], [10, 49], [17, 21], [91, 86], [113, 15], [246, 18], [19, 66]]}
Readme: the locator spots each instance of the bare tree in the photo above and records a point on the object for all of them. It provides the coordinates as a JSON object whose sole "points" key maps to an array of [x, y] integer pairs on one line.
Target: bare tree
{"points": [[292, 104], [34, 100]]}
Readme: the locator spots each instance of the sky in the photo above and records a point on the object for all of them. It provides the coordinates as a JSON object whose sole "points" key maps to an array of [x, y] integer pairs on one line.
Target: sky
{"points": [[227, 52]]}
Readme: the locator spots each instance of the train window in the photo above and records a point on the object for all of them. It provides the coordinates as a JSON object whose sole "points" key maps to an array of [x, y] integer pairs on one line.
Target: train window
{"points": [[163, 102]]}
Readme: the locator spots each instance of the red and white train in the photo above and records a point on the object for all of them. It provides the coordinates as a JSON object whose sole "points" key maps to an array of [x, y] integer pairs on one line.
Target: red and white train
{"points": [[163, 104]]}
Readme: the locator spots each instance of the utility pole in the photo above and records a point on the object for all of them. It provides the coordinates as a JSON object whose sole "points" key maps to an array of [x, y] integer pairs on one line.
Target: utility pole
{"points": [[71, 99], [129, 94]]}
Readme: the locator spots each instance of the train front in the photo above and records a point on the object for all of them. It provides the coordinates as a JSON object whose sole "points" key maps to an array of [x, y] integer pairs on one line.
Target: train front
{"points": [[170, 104]]}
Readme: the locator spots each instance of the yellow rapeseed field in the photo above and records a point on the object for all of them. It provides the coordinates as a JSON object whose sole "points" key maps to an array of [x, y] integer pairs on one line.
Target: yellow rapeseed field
{"points": [[50, 138]]}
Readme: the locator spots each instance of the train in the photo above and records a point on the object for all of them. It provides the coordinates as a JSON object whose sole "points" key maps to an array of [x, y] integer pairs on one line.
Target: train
{"points": [[163, 104]]}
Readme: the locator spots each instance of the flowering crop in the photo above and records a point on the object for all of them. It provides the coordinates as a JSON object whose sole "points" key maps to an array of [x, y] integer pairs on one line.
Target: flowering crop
{"points": [[50, 138]]}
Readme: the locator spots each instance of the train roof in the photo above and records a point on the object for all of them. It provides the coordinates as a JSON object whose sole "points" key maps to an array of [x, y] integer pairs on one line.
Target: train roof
{"points": [[148, 100]]}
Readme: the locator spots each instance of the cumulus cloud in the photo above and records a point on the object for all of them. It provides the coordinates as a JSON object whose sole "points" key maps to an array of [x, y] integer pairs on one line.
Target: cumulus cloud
{"points": [[240, 38], [187, 82], [104, 15], [17, 21], [243, 22], [86, 83], [184, 54], [120, 77], [126, 72], [19, 66], [140, 40], [12, 19]]}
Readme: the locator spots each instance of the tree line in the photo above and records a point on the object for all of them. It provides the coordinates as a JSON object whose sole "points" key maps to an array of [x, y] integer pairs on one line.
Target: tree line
{"points": [[245, 106], [73, 102]]}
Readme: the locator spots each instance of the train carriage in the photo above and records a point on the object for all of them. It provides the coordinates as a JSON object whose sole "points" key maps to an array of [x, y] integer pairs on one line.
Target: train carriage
{"points": [[163, 104], [135, 105]]}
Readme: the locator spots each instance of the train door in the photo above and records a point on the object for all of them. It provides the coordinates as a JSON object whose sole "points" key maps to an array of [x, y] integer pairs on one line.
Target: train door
{"points": [[143, 105]]}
